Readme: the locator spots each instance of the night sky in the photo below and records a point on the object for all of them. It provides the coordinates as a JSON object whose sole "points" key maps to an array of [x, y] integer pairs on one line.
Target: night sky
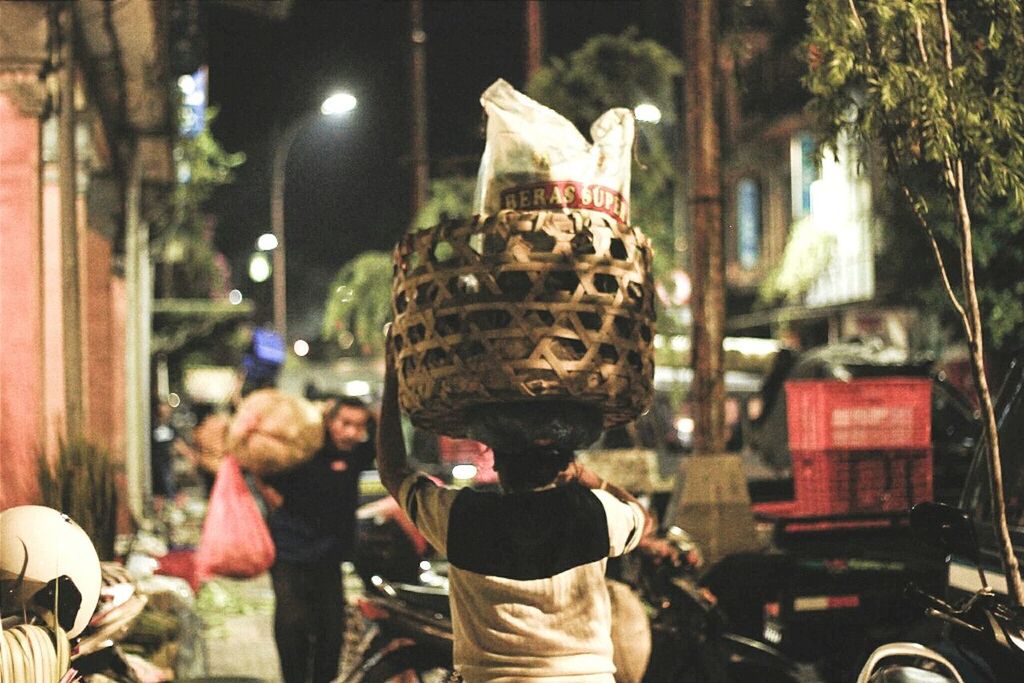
{"points": [[348, 185]]}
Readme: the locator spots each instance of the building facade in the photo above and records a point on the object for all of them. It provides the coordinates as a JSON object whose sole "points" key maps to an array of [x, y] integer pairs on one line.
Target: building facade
{"points": [[804, 228], [87, 127]]}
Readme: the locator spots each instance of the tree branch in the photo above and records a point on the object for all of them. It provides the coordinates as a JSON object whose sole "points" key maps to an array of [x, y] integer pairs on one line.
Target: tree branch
{"points": [[920, 40], [943, 271], [947, 41], [955, 175], [863, 27]]}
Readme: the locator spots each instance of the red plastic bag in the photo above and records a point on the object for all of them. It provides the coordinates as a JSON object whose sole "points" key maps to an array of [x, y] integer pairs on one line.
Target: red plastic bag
{"points": [[235, 541]]}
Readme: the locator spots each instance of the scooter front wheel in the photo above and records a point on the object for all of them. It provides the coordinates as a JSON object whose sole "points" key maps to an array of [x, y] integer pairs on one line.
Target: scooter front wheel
{"points": [[412, 664]]}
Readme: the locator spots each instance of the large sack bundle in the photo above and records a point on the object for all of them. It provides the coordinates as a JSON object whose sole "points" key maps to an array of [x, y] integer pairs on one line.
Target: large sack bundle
{"points": [[273, 431]]}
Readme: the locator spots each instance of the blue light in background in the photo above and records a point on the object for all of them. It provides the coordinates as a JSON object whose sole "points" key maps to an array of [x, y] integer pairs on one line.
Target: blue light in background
{"points": [[193, 102], [748, 222]]}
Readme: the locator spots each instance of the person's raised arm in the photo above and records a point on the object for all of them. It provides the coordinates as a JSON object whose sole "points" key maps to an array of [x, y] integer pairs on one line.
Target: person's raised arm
{"points": [[590, 480], [391, 457]]}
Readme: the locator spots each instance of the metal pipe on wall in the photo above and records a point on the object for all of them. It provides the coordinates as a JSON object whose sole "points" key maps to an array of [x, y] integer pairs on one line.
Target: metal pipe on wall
{"points": [[68, 165], [136, 407]]}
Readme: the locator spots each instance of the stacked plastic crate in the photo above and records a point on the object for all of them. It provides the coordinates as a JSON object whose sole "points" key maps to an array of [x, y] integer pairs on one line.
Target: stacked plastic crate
{"points": [[861, 447]]}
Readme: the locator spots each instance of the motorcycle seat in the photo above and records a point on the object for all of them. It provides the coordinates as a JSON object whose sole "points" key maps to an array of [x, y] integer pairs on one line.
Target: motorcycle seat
{"points": [[428, 597]]}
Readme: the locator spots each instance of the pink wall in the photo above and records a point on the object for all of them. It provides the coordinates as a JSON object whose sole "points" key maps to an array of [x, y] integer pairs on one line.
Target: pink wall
{"points": [[21, 346]]}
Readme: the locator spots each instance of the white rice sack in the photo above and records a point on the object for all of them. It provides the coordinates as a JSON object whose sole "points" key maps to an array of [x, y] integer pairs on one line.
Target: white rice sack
{"points": [[536, 159]]}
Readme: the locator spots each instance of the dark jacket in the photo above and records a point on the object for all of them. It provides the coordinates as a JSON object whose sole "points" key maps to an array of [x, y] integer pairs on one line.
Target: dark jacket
{"points": [[316, 522]]}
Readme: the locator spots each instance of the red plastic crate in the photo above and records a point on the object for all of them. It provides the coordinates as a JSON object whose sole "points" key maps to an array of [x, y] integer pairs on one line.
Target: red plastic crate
{"points": [[841, 482], [880, 413]]}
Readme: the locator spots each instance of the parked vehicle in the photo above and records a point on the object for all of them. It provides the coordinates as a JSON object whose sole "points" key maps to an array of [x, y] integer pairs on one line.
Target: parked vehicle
{"points": [[408, 634], [690, 639], [830, 587], [983, 638], [986, 631], [826, 599], [976, 499]]}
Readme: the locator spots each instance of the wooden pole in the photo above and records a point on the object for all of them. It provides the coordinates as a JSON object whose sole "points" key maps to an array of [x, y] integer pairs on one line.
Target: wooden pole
{"points": [[420, 154], [534, 37], [282, 145], [700, 34], [714, 503]]}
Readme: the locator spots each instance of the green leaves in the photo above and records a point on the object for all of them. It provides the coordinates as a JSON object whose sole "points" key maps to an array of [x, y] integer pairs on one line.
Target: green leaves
{"points": [[359, 302], [81, 482], [888, 58], [624, 71]]}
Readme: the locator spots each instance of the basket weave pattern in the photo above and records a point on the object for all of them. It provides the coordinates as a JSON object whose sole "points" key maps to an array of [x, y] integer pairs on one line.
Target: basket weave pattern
{"points": [[520, 306]]}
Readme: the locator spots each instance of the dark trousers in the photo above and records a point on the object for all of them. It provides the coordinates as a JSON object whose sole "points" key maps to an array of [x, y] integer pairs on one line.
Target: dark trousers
{"points": [[309, 620]]}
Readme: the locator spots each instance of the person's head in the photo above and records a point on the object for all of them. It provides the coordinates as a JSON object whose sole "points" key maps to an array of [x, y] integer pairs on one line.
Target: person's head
{"points": [[531, 468], [534, 441], [348, 423]]}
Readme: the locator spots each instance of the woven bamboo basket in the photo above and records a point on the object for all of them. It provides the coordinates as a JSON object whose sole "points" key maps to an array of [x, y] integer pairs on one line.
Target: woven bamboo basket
{"points": [[521, 306]]}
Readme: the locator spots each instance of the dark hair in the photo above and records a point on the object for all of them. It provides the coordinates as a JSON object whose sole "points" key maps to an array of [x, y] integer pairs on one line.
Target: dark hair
{"points": [[531, 468], [520, 427], [339, 402], [344, 401]]}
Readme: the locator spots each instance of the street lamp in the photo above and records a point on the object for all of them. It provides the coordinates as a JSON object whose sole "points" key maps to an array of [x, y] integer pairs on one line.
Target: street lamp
{"points": [[337, 104], [647, 112]]}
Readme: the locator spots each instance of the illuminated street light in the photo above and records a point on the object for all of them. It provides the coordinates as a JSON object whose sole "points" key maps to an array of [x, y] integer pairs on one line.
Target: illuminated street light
{"points": [[234, 297], [301, 347], [334, 106], [647, 112], [259, 267], [267, 242], [338, 103]]}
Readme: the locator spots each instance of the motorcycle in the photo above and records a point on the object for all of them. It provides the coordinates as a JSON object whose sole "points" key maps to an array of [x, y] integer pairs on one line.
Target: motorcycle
{"points": [[407, 634], [690, 638], [402, 619], [985, 632]]}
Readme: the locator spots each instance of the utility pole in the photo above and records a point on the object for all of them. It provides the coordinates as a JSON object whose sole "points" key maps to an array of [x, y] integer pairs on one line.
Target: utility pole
{"points": [[282, 145], [420, 158], [534, 37], [708, 299], [714, 504]]}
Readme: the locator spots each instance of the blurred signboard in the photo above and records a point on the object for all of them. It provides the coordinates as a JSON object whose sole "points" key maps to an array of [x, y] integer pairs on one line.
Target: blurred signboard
{"points": [[209, 384]]}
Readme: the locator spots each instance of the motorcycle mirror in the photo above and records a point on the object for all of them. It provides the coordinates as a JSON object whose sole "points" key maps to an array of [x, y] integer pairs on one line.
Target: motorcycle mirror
{"points": [[946, 527]]}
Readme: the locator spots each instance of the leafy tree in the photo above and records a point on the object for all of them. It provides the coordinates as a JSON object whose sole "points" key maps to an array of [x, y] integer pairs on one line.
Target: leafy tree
{"points": [[624, 71], [184, 244], [359, 302], [938, 87], [450, 197], [998, 264]]}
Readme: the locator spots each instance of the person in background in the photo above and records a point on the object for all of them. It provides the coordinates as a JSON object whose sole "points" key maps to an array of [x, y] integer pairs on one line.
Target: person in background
{"points": [[312, 522], [527, 564], [164, 442]]}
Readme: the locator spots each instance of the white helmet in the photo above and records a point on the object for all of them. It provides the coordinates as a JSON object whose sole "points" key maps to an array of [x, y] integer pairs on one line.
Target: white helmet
{"points": [[57, 563]]}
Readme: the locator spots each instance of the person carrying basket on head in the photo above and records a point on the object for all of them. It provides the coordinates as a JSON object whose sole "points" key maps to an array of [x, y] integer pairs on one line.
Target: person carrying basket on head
{"points": [[527, 563]]}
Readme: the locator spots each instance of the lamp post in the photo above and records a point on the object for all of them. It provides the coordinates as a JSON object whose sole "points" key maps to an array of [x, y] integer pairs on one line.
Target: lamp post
{"points": [[337, 104]]}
